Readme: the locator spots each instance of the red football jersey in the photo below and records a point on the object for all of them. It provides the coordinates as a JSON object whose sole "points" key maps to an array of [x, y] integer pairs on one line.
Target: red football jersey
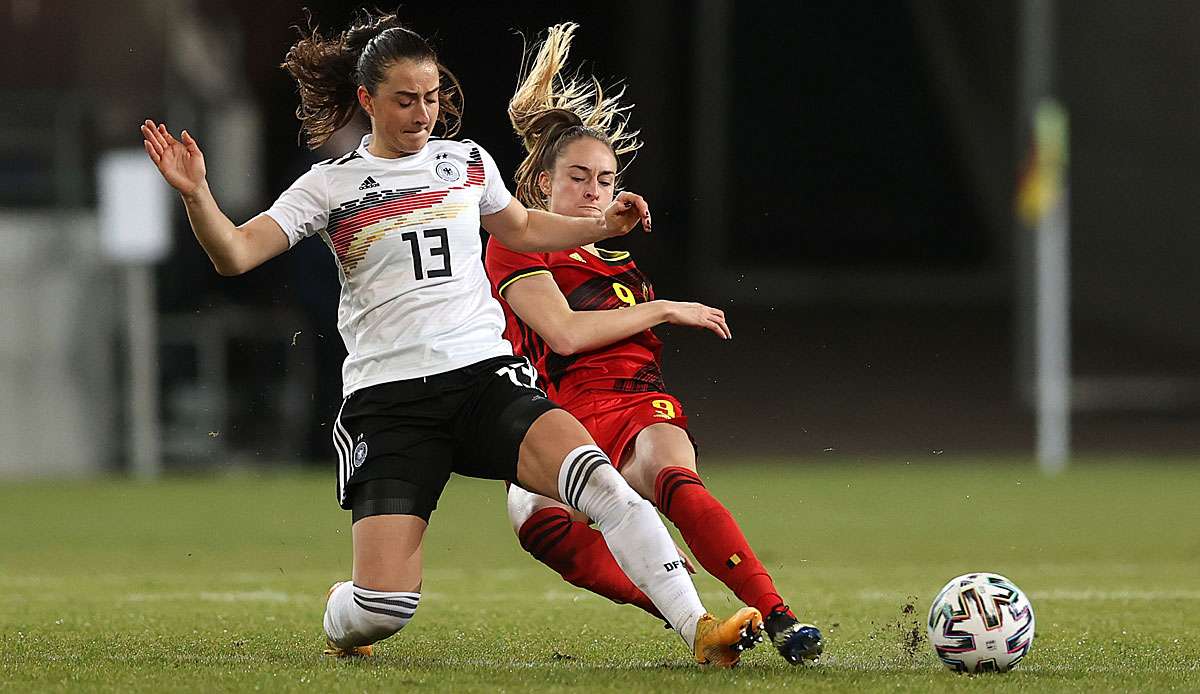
{"points": [[589, 283]]}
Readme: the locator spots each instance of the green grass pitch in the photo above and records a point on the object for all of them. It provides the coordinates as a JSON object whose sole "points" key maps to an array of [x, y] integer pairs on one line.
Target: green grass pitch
{"points": [[218, 583]]}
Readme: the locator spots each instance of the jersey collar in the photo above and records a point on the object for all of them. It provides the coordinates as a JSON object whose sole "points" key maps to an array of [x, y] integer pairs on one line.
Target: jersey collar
{"points": [[419, 156]]}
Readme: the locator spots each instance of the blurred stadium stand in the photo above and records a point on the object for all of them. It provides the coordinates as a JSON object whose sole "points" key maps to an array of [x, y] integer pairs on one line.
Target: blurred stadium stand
{"points": [[867, 256]]}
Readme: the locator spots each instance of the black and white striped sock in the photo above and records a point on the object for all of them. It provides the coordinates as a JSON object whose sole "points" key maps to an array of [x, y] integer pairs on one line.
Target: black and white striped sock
{"points": [[356, 616], [635, 535]]}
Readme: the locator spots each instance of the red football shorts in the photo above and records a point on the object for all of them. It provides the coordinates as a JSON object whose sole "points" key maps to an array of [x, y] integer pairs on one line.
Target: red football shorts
{"points": [[614, 419]]}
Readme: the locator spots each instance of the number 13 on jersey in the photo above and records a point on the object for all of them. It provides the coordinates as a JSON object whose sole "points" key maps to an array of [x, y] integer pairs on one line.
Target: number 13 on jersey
{"points": [[442, 248]]}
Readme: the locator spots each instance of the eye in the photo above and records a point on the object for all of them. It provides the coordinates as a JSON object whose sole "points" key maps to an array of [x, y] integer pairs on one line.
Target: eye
{"points": [[404, 103], [606, 184], [577, 179]]}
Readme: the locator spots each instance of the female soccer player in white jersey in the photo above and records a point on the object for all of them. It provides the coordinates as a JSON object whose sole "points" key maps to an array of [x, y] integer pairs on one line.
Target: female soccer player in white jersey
{"points": [[431, 386], [583, 316]]}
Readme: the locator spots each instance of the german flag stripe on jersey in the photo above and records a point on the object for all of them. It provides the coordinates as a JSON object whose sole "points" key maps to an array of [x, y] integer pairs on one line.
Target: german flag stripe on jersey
{"points": [[388, 210]]}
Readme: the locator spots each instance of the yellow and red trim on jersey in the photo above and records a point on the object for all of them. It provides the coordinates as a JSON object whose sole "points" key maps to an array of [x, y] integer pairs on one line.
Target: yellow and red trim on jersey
{"points": [[519, 275], [608, 256]]}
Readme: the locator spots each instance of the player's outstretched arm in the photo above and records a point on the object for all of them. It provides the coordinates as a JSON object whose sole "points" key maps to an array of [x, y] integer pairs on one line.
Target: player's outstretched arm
{"points": [[536, 231], [540, 304], [232, 249]]}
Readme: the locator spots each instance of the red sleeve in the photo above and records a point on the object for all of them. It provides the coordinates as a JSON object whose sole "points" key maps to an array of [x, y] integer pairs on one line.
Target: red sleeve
{"points": [[505, 266]]}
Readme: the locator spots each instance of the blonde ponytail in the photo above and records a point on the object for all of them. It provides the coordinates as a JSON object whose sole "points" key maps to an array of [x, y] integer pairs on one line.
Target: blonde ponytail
{"points": [[548, 111]]}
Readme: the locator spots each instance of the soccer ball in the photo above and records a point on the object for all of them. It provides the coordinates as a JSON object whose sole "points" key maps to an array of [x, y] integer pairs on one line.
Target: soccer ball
{"points": [[980, 623]]}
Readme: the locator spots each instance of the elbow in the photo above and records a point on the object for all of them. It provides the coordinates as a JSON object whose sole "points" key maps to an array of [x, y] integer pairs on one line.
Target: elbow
{"points": [[228, 268], [562, 344]]}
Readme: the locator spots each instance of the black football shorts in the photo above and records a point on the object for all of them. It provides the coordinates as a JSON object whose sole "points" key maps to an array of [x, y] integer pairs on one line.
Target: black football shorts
{"points": [[398, 442]]}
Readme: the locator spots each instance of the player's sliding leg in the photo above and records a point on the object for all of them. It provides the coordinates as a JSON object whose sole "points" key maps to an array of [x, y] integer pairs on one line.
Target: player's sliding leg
{"points": [[663, 467], [554, 534], [386, 587], [559, 460]]}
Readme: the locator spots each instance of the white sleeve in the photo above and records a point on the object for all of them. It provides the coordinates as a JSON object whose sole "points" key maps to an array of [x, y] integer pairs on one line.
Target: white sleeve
{"points": [[495, 195], [302, 209]]}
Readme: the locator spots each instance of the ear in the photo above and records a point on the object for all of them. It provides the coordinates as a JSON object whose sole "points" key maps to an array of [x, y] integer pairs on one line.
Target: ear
{"points": [[543, 183], [364, 100]]}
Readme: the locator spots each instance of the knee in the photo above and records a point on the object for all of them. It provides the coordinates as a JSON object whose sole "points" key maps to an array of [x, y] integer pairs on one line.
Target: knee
{"points": [[544, 530], [655, 452], [675, 451], [523, 505], [611, 489], [589, 483]]}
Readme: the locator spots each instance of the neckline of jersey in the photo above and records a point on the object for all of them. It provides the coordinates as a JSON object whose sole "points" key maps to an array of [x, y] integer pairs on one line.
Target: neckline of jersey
{"points": [[417, 157], [618, 257]]}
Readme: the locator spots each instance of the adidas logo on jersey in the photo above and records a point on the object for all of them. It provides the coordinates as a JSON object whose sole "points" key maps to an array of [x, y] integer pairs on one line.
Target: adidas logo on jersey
{"points": [[368, 182], [578, 257]]}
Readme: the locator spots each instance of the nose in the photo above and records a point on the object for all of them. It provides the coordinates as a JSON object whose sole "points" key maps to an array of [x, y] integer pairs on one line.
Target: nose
{"points": [[421, 115], [592, 191]]}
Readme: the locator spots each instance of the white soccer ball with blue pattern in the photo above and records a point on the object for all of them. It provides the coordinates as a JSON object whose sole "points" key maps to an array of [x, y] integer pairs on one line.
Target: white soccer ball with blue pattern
{"points": [[981, 622]]}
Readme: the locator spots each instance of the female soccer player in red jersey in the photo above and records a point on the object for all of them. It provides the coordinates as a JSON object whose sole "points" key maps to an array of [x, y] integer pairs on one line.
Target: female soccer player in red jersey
{"points": [[583, 316], [431, 386]]}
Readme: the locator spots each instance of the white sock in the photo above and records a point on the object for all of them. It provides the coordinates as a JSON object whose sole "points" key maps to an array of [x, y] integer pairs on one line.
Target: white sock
{"points": [[635, 535], [357, 616]]}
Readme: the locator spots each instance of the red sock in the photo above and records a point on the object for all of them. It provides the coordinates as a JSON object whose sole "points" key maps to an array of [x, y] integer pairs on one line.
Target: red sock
{"points": [[579, 554], [714, 537]]}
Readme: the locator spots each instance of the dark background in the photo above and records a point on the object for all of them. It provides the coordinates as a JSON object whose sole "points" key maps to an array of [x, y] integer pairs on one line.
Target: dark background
{"points": [[869, 261]]}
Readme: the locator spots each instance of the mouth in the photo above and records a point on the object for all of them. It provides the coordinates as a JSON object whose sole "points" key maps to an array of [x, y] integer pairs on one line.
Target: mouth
{"points": [[593, 208]]}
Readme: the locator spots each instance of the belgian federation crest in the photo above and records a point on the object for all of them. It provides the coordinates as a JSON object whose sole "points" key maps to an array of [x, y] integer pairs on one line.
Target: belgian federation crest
{"points": [[447, 171]]}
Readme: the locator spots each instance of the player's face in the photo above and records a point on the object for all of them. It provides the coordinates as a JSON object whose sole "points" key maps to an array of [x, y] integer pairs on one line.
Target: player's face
{"points": [[404, 106], [583, 181]]}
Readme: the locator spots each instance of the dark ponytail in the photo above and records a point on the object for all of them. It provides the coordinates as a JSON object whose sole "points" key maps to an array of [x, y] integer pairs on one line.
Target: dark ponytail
{"points": [[329, 69]]}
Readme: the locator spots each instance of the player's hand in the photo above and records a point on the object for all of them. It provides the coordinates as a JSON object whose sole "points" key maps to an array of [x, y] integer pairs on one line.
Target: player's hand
{"points": [[180, 162], [687, 563], [698, 316], [626, 210]]}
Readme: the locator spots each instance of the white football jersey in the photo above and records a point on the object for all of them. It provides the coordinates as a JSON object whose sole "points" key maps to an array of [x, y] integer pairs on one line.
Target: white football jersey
{"points": [[415, 300]]}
